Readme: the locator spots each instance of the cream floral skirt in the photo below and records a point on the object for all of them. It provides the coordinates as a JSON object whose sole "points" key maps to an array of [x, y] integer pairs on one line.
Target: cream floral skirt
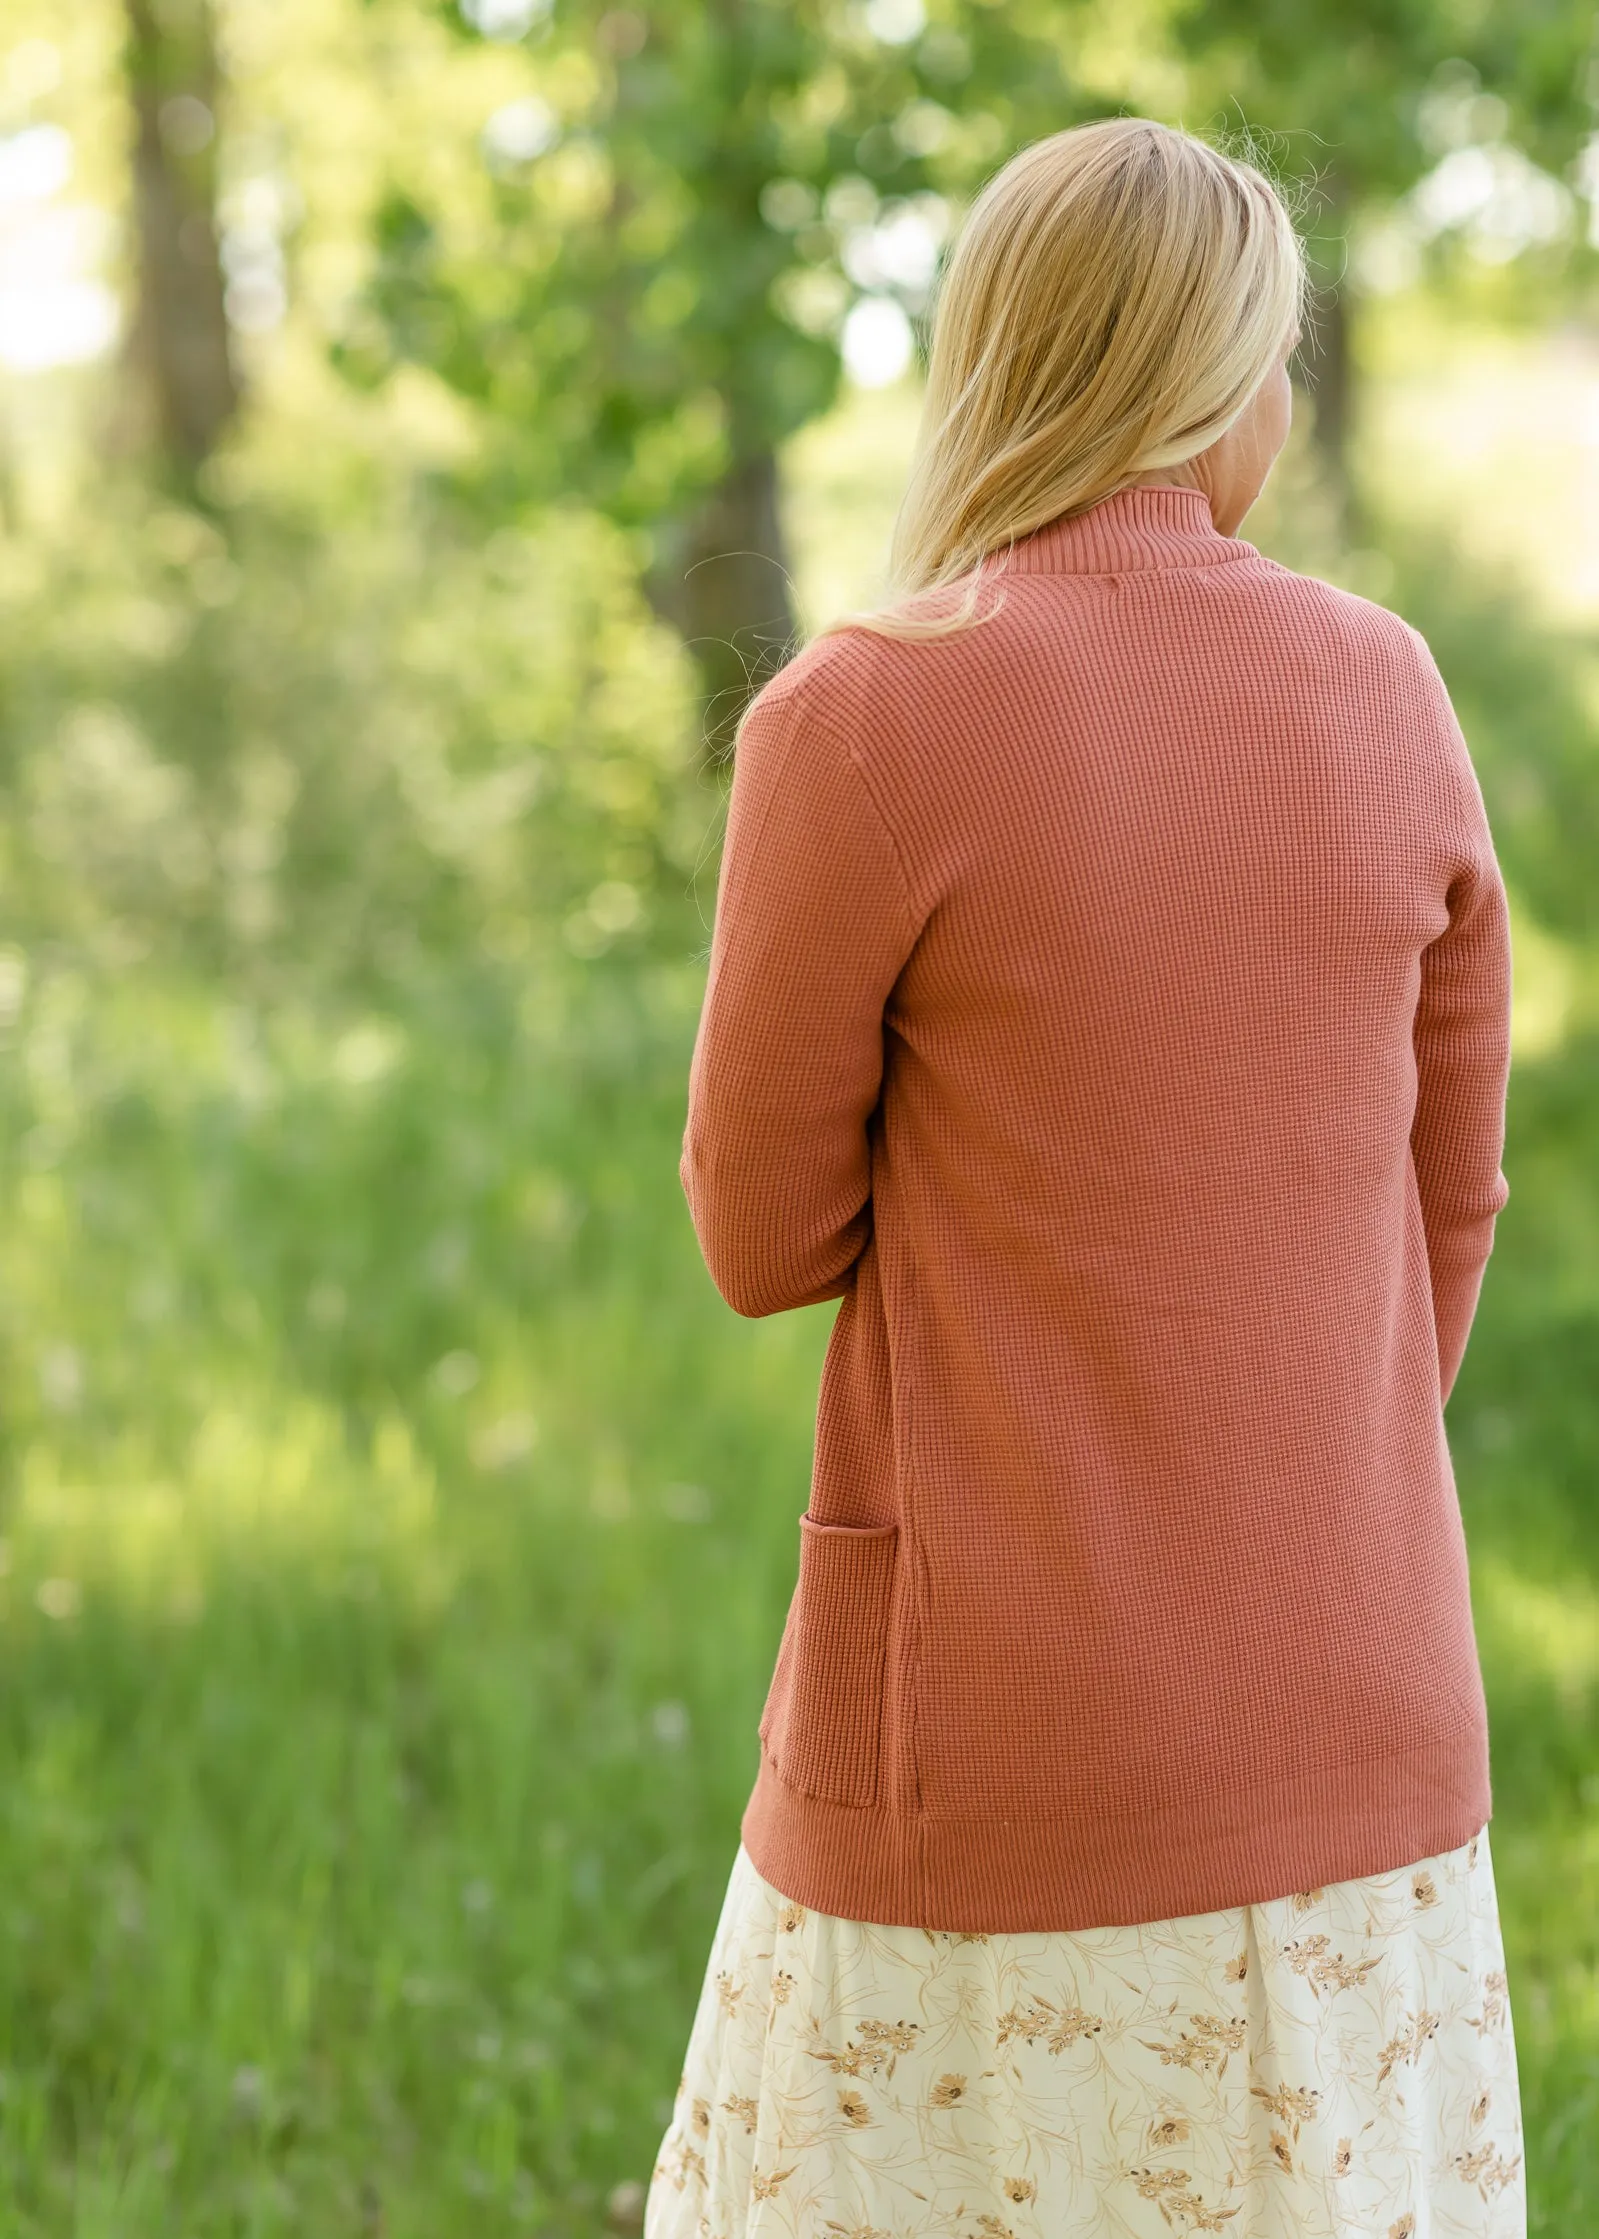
{"points": [[1336, 2064]]}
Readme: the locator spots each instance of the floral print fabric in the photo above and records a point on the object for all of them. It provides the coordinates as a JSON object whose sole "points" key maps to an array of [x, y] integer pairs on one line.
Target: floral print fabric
{"points": [[1335, 2064]]}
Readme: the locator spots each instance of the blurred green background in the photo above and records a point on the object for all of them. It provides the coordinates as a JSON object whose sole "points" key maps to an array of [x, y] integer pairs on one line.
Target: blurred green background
{"points": [[420, 425]]}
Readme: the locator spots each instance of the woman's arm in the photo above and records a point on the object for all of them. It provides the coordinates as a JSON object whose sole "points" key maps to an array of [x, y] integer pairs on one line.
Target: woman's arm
{"points": [[1462, 1041], [813, 923]]}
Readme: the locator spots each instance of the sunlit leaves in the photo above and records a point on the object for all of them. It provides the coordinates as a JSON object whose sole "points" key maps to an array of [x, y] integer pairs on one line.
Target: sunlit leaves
{"points": [[685, 223]]}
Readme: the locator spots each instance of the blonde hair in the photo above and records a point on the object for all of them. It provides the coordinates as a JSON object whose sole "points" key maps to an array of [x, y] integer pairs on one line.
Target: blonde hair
{"points": [[1115, 298]]}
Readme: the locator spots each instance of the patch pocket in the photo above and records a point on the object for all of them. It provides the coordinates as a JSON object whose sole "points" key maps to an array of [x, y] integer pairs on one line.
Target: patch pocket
{"points": [[822, 1725]]}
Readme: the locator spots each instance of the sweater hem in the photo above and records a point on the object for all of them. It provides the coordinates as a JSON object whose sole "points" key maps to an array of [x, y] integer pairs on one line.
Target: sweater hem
{"points": [[1001, 1875]]}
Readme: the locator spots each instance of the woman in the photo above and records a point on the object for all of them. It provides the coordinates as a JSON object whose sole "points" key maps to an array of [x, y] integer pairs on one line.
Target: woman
{"points": [[1108, 1006]]}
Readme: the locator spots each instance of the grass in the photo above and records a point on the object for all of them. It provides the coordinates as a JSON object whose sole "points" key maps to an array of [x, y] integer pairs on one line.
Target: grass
{"points": [[398, 1532]]}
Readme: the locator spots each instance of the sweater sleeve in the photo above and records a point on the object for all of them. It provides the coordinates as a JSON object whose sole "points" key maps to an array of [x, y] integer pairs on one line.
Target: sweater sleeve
{"points": [[813, 924], [1462, 1043]]}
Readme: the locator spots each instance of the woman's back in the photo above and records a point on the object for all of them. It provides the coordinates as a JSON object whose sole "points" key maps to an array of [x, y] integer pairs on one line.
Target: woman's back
{"points": [[1107, 1003]]}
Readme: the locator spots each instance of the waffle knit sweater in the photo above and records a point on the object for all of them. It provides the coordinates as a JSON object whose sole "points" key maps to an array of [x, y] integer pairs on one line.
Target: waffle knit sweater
{"points": [[1109, 1007]]}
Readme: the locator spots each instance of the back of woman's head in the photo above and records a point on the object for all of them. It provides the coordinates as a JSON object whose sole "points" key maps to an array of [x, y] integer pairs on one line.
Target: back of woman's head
{"points": [[1117, 294]]}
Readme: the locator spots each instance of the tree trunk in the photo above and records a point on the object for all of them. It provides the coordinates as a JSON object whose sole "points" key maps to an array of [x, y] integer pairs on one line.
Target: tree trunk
{"points": [[1327, 354], [722, 580], [178, 342]]}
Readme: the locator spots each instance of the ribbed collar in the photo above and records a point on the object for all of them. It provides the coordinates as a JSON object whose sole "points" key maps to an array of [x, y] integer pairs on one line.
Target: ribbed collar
{"points": [[1141, 527]]}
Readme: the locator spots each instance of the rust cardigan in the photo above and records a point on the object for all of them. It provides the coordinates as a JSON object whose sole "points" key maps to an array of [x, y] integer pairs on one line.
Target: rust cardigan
{"points": [[1109, 1007]]}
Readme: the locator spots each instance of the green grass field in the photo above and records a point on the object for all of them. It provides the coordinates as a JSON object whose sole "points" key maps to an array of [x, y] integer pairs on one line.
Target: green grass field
{"points": [[398, 1530]]}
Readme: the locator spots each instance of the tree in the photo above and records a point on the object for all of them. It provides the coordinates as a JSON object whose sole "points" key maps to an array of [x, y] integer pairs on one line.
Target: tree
{"points": [[179, 340], [1340, 89], [686, 204]]}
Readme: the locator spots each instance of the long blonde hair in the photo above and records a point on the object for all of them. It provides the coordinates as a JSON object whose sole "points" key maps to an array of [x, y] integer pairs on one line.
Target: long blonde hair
{"points": [[1116, 295]]}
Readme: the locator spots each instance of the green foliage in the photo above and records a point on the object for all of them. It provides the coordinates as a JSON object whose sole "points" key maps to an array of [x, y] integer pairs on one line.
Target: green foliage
{"points": [[288, 745], [1344, 86], [667, 261]]}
